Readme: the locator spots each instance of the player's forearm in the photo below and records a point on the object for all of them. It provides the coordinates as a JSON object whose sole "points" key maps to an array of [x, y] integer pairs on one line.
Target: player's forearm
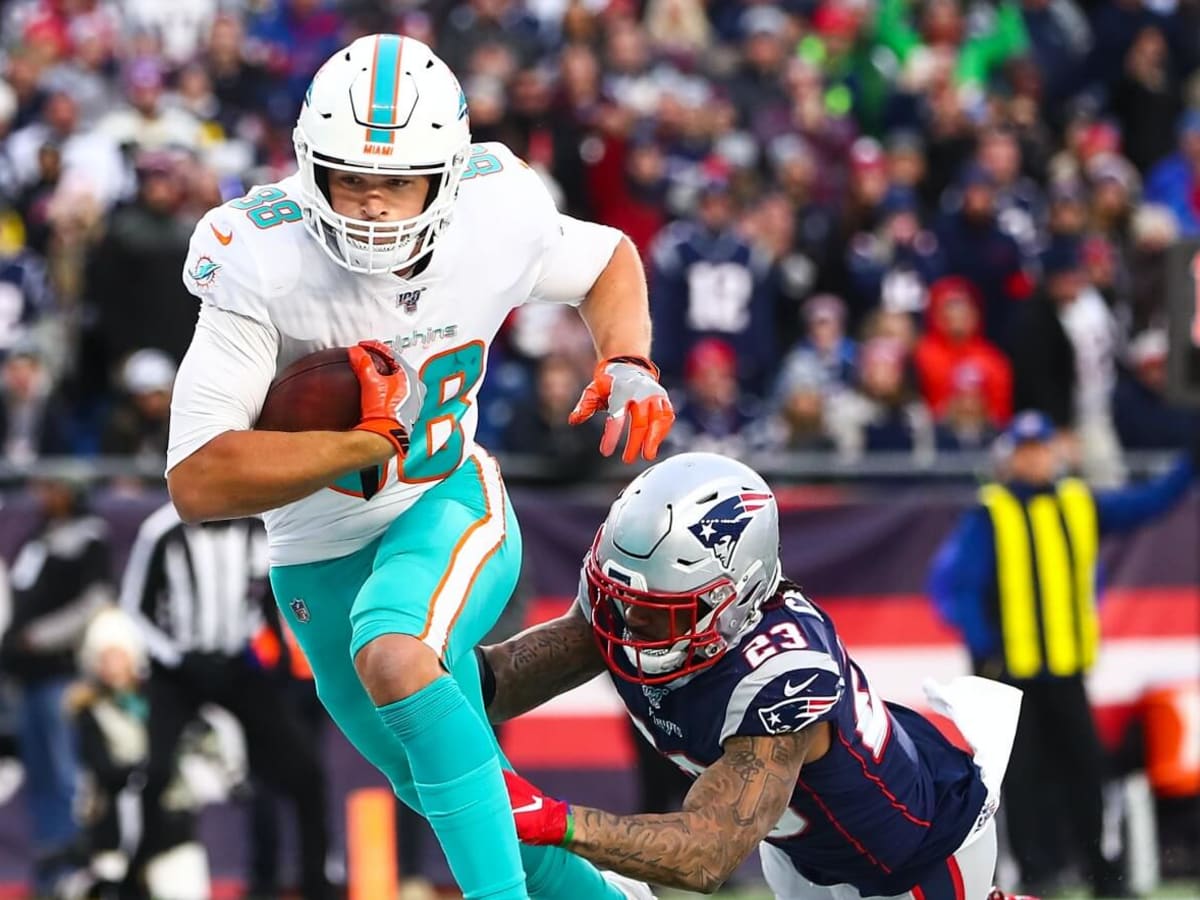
{"points": [[617, 308], [732, 806], [694, 850], [540, 663], [243, 473]]}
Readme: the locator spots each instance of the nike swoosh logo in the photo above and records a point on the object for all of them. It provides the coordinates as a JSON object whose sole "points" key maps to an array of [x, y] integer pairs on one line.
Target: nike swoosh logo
{"points": [[223, 238], [790, 690], [533, 806]]}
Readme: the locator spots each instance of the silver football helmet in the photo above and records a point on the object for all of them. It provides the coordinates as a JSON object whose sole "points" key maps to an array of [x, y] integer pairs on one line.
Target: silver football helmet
{"points": [[682, 565]]}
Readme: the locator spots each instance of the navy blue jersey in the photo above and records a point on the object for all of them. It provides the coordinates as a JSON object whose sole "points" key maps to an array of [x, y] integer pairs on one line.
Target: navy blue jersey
{"points": [[711, 285], [889, 802]]}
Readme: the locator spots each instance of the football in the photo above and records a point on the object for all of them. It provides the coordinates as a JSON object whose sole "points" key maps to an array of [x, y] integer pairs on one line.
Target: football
{"points": [[318, 392]]}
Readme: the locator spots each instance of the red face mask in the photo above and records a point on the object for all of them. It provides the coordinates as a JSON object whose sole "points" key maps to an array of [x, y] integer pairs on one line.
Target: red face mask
{"points": [[624, 617]]}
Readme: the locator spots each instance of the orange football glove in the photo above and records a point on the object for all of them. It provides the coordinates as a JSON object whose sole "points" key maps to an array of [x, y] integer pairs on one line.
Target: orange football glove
{"points": [[390, 401], [627, 387]]}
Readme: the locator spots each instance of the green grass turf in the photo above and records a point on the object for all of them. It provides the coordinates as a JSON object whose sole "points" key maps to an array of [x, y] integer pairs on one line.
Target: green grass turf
{"points": [[1175, 891]]}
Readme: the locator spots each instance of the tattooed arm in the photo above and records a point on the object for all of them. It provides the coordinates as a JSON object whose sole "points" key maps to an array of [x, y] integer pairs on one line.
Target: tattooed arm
{"points": [[540, 663], [731, 807]]}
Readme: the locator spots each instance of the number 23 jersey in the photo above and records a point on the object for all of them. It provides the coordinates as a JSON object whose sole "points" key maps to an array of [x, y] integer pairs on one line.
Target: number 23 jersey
{"points": [[270, 295], [889, 801]]}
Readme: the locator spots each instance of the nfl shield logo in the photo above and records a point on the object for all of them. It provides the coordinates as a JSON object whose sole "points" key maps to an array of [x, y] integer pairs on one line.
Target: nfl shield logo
{"points": [[300, 610], [408, 299]]}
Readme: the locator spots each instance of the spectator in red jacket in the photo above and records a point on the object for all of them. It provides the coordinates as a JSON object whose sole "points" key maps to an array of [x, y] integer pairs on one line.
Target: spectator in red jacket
{"points": [[952, 338], [629, 188]]}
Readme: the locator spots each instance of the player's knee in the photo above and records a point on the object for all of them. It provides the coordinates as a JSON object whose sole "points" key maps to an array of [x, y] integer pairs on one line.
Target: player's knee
{"points": [[394, 666]]}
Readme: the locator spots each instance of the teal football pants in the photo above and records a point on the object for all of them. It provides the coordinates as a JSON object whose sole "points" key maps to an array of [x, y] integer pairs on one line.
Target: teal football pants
{"points": [[442, 572]]}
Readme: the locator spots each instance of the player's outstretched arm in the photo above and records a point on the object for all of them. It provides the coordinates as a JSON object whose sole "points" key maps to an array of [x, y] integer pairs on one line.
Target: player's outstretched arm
{"points": [[625, 384], [537, 664], [220, 469], [731, 807], [243, 473], [617, 308]]}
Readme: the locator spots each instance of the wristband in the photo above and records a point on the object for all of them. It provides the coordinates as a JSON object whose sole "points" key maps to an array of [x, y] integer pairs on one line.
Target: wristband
{"points": [[569, 834], [640, 361]]}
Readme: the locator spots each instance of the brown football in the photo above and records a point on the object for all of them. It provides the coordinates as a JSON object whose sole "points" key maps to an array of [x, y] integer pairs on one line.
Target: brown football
{"points": [[318, 392]]}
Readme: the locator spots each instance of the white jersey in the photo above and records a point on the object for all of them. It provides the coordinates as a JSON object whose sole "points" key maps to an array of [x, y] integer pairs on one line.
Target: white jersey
{"points": [[1092, 330], [270, 296]]}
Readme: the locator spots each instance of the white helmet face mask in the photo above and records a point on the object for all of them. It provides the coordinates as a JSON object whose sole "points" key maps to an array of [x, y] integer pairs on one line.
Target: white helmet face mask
{"points": [[385, 105], [693, 540]]}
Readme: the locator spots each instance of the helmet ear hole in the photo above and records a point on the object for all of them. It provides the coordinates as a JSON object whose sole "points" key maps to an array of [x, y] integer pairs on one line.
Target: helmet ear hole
{"points": [[751, 593], [321, 177], [431, 191]]}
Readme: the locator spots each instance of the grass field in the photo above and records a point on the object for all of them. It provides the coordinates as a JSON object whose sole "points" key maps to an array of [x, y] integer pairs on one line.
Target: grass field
{"points": [[1177, 891]]}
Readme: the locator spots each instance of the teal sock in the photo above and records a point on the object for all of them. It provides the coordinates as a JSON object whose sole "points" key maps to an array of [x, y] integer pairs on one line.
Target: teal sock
{"points": [[457, 778], [555, 874]]}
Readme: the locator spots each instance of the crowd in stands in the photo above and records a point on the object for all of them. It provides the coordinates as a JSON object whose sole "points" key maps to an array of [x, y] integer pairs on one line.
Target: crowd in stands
{"points": [[867, 224]]}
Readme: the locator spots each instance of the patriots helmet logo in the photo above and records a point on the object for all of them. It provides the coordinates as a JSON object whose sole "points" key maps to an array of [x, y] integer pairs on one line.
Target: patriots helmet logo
{"points": [[720, 528]]}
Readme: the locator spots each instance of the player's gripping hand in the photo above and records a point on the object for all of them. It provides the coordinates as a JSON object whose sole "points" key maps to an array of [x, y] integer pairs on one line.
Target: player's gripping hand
{"points": [[540, 819], [390, 401], [627, 388]]}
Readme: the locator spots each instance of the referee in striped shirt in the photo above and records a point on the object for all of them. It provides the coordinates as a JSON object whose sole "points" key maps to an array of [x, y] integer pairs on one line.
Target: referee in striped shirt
{"points": [[197, 591]]}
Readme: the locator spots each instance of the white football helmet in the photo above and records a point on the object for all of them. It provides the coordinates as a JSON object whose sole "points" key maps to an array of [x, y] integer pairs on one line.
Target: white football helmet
{"points": [[384, 105], [696, 537]]}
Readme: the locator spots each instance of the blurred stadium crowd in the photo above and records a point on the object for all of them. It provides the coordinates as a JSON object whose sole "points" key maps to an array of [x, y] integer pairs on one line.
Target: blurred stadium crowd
{"points": [[869, 225], [849, 209]]}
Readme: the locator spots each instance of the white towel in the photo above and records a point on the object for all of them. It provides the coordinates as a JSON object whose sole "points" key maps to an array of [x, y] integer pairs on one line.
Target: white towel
{"points": [[985, 712]]}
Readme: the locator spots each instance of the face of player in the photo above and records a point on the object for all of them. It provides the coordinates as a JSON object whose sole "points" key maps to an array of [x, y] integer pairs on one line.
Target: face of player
{"points": [[658, 624], [377, 198]]}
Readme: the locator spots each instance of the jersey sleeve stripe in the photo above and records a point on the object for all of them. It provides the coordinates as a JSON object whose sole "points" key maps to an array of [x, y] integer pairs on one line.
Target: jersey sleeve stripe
{"points": [[883, 788], [747, 689], [956, 878], [857, 844]]}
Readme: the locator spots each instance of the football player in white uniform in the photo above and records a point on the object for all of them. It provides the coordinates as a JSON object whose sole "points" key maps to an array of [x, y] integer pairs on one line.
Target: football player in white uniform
{"points": [[393, 545]]}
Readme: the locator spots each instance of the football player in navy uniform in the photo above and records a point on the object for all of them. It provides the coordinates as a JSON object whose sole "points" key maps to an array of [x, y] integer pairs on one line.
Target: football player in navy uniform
{"points": [[740, 680]]}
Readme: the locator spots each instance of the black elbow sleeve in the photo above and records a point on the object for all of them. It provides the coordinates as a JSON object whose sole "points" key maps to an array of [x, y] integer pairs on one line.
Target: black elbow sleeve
{"points": [[487, 678]]}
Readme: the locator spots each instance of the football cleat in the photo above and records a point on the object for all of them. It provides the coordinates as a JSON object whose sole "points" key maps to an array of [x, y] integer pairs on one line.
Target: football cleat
{"points": [[629, 888]]}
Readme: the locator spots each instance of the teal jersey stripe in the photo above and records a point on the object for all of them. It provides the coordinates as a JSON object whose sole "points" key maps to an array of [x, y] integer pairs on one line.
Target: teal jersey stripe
{"points": [[383, 103]]}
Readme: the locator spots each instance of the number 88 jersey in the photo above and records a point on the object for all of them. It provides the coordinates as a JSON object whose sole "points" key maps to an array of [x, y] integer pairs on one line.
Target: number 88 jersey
{"points": [[891, 799], [270, 295]]}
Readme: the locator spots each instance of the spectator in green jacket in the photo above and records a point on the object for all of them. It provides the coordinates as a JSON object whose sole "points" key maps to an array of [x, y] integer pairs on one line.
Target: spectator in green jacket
{"points": [[979, 49]]}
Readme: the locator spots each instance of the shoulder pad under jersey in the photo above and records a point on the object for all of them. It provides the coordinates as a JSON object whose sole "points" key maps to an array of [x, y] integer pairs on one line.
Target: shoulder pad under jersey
{"points": [[786, 692], [248, 251]]}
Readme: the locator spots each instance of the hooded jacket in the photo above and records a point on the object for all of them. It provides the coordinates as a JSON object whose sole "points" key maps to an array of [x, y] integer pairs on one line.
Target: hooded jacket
{"points": [[938, 355]]}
